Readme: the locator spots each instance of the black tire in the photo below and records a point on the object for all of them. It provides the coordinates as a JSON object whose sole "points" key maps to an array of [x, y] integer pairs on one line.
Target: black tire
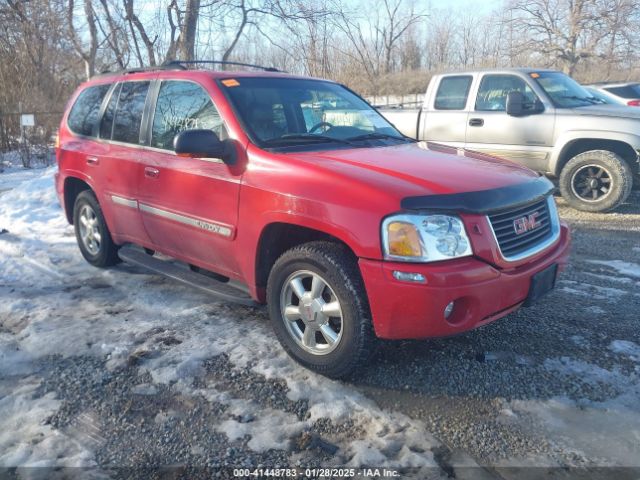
{"points": [[582, 181], [340, 271], [105, 253]]}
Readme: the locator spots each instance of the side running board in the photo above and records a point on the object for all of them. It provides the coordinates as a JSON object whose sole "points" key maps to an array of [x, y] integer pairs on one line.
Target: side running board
{"points": [[223, 291]]}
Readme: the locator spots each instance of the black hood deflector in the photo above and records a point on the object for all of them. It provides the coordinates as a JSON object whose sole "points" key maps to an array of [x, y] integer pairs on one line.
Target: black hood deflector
{"points": [[483, 201]]}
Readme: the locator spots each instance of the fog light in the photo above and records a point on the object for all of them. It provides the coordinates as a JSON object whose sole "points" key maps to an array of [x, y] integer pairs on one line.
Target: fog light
{"points": [[409, 277], [448, 310]]}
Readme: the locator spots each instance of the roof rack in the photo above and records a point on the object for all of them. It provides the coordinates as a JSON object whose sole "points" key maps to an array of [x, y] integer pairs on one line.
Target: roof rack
{"points": [[140, 70], [182, 63]]}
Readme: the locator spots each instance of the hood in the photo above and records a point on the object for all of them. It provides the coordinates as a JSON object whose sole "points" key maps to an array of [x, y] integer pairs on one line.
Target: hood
{"points": [[616, 111], [421, 169]]}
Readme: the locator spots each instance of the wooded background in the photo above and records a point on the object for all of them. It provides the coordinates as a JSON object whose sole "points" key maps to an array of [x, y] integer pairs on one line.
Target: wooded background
{"points": [[377, 47]]}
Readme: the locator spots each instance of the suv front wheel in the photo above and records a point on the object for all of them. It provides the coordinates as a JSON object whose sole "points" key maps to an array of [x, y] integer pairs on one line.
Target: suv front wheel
{"points": [[319, 310], [596, 181]]}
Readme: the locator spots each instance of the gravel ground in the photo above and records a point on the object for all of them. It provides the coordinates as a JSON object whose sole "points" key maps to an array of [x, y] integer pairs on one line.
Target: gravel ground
{"points": [[463, 390]]}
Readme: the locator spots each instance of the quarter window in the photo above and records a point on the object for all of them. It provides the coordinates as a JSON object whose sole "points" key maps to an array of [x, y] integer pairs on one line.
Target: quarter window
{"points": [[492, 94], [128, 117], [84, 113], [183, 106], [453, 92]]}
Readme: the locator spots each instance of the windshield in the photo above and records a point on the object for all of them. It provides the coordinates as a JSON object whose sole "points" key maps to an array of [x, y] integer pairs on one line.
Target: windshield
{"points": [[309, 114], [564, 91]]}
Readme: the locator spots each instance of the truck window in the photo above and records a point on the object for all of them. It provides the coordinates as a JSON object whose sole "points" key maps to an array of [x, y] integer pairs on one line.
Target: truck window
{"points": [[183, 106], [84, 114], [128, 117], [453, 92], [492, 94]]}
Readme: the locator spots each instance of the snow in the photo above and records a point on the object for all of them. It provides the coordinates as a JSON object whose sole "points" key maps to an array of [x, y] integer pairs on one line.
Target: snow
{"points": [[625, 347], [129, 312], [584, 289], [607, 432], [623, 268], [127, 315]]}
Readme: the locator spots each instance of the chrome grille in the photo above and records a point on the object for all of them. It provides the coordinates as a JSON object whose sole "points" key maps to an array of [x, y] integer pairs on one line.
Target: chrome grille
{"points": [[515, 245]]}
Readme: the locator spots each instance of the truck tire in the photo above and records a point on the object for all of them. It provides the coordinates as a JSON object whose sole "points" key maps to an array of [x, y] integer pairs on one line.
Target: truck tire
{"points": [[319, 309], [596, 181], [92, 234]]}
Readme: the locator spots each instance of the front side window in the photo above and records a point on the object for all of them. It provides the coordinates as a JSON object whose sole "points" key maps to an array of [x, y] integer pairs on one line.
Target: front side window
{"points": [[183, 106], [493, 91], [85, 111], [453, 92], [289, 113], [128, 116]]}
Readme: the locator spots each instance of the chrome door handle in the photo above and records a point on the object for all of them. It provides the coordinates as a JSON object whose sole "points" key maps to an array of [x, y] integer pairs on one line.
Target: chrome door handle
{"points": [[93, 160], [151, 172]]}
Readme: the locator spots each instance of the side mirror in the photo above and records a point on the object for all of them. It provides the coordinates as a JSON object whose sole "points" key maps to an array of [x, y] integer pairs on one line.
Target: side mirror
{"points": [[515, 103], [203, 144]]}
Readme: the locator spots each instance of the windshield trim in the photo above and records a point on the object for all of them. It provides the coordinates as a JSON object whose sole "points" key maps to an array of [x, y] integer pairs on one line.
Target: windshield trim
{"points": [[334, 145]]}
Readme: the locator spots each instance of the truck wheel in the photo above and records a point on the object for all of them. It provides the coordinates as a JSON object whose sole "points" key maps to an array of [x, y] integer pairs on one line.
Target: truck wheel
{"points": [[92, 233], [596, 181], [319, 310]]}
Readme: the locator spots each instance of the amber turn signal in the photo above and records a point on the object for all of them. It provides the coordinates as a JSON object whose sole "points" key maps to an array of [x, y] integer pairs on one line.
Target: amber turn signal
{"points": [[403, 240]]}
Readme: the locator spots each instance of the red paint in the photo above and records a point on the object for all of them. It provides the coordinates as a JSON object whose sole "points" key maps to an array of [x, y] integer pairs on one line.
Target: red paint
{"points": [[342, 193]]}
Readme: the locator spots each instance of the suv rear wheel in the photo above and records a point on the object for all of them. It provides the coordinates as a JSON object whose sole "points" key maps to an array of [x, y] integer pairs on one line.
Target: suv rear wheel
{"points": [[319, 310], [92, 233], [596, 181]]}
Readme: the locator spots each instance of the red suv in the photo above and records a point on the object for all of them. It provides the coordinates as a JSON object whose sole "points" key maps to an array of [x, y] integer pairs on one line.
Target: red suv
{"points": [[263, 187]]}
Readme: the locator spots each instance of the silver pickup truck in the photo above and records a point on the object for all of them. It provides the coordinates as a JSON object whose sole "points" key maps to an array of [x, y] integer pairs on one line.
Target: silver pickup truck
{"points": [[540, 118]]}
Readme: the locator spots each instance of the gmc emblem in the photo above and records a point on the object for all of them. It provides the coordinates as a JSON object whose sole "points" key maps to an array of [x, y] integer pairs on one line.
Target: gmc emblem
{"points": [[526, 224]]}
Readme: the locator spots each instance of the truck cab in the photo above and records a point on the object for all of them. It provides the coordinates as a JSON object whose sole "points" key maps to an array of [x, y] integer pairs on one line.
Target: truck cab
{"points": [[539, 118]]}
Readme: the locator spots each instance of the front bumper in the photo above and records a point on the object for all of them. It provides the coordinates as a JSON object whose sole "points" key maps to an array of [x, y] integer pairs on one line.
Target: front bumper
{"points": [[483, 293]]}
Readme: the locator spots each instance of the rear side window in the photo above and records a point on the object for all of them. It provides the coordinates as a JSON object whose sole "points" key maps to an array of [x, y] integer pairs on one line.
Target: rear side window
{"points": [[629, 91], [453, 92], [183, 106], [84, 113], [128, 117]]}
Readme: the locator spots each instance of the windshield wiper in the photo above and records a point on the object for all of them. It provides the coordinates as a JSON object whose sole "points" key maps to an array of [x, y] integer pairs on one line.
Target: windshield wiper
{"points": [[377, 135], [591, 100], [307, 136]]}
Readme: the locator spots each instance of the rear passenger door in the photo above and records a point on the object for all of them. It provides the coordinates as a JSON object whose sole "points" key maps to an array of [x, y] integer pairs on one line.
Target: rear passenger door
{"points": [[121, 167], [189, 206], [446, 118]]}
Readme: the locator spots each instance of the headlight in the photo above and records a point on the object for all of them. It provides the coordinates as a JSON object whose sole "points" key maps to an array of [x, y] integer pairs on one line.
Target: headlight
{"points": [[424, 238]]}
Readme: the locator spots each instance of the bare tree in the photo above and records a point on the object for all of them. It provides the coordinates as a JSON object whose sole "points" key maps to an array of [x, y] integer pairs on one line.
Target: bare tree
{"points": [[88, 53], [137, 28], [565, 32]]}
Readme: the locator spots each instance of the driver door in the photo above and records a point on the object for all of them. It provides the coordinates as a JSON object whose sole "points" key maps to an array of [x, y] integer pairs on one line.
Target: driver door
{"points": [[526, 139], [189, 206]]}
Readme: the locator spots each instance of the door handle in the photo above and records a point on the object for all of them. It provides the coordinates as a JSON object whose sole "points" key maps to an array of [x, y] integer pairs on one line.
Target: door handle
{"points": [[93, 160], [151, 172], [476, 122]]}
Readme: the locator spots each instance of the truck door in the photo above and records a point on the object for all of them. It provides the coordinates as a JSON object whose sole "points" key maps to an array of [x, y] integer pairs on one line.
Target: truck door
{"points": [[189, 206], [446, 120], [526, 139]]}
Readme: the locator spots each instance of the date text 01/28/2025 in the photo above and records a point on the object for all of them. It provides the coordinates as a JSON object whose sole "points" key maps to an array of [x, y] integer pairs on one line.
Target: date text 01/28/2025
{"points": [[315, 472]]}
